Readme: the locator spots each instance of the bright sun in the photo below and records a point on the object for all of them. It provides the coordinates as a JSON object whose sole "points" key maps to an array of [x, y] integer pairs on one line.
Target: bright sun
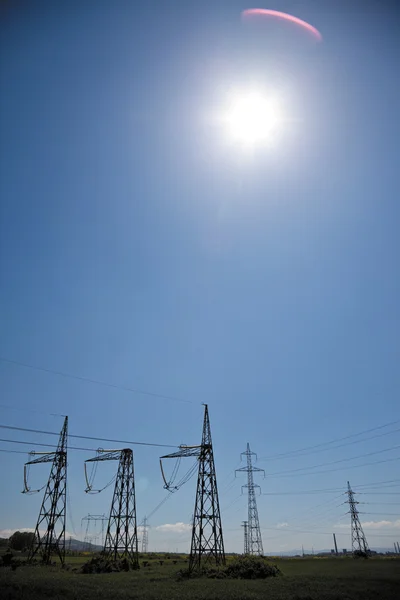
{"points": [[253, 118]]}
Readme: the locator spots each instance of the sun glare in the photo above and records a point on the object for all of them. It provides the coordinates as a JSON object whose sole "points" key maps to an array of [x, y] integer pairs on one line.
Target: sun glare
{"points": [[253, 118]]}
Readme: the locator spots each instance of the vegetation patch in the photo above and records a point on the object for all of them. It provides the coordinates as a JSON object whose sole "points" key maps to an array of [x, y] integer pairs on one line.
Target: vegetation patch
{"points": [[241, 567], [99, 564]]}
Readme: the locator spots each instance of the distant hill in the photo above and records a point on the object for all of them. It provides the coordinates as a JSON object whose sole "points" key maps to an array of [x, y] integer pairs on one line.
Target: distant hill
{"points": [[78, 546], [72, 544], [308, 552]]}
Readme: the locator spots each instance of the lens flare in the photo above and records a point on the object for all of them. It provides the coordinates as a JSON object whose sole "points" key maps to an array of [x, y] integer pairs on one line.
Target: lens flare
{"points": [[263, 12]]}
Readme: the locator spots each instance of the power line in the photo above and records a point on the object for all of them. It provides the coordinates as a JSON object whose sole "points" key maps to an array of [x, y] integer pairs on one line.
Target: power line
{"points": [[377, 483], [86, 437], [301, 492], [32, 410], [377, 462], [382, 503], [12, 451], [382, 493], [45, 445], [159, 505], [384, 514], [322, 532], [366, 439], [95, 381], [291, 452], [332, 490], [335, 462]]}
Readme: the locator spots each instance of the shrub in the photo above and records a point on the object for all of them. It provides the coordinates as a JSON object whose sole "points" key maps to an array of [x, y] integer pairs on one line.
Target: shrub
{"points": [[241, 567], [99, 564], [251, 567], [7, 558]]}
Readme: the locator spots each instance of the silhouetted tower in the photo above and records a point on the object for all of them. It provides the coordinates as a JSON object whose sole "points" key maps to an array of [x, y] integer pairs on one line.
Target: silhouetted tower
{"points": [[246, 538], [145, 537], [253, 528], [121, 538], [358, 539], [207, 546], [334, 541], [50, 527]]}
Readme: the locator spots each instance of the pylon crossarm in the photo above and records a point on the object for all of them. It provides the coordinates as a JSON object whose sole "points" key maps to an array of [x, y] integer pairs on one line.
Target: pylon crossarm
{"points": [[184, 451], [254, 469], [105, 455], [45, 457]]}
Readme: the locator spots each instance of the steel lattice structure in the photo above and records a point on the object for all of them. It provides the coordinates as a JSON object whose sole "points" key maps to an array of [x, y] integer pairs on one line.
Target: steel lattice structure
{"points": [[254, 541], [121, 537], [358, 540], [207, 545], [246, 538], [145, 537], [89, 518], [50, 527]]}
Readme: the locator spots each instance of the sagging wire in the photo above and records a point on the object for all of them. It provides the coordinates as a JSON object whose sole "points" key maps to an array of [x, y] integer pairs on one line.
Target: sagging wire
{"points": [[170, 485], [27, 489], [90, 478]]}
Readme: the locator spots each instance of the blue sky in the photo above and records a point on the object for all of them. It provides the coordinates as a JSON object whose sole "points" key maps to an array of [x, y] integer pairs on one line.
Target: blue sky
{"points": [[139, 247]]}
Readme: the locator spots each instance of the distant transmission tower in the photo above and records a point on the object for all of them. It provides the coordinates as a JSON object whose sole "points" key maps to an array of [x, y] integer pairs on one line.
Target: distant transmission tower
{"points": [[145, 537], [253, 527], [246, 538], [89, 518], [207, 545], [50, 527], [121, 538], [358, 540]]}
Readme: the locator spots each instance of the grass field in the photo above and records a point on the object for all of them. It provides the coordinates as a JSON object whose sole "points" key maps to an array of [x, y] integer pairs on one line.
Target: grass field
{"points": [[303, 579]]}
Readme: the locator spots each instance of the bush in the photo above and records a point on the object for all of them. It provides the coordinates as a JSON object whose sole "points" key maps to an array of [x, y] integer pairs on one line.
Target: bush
{"points": [[7, 559], [251, 567], [99, 564], [241, 567]]}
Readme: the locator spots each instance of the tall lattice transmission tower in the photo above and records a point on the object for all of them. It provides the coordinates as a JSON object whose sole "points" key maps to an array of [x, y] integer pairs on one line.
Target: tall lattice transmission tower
{"points": [[207, 546], [50, 527], [246, 538], [358, 540], [145, 536], [254, 543], [121, 537]]}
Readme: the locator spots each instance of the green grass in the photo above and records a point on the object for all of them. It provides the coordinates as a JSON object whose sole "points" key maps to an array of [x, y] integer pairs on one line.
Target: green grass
{"points": [[303, 579]]}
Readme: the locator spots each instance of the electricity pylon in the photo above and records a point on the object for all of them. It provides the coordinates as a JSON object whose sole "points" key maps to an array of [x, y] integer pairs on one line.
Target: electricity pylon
{"points": [[145, 537], [49, 535], [121, 538], [207, 546], [89, 518], [246, 539], [253, 526], [359, 544]]}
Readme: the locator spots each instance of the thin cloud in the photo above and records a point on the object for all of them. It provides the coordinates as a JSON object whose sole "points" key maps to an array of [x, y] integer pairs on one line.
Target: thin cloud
{"points": [[281, 525], [374, 525], [175, 527]]}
